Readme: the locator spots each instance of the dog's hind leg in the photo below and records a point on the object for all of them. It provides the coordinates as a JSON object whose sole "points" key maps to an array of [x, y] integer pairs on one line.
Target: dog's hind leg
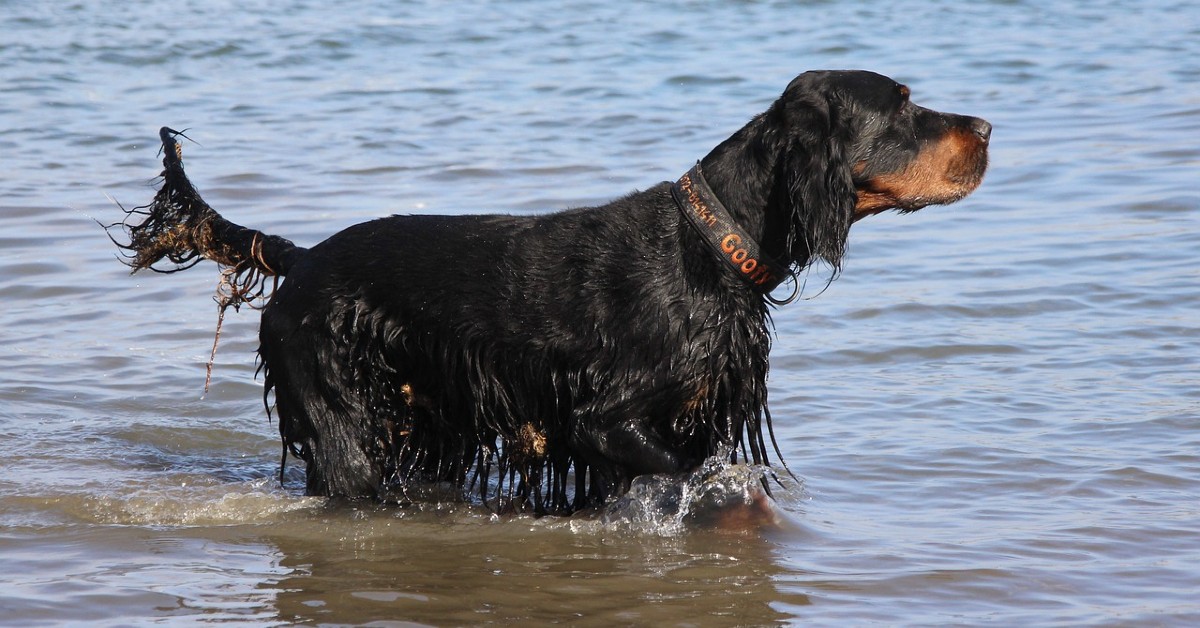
{"points": [[321, 421]]}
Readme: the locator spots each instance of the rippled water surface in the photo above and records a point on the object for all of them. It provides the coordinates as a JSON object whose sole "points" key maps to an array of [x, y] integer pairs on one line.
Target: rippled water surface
{"points": [[993, 412]]}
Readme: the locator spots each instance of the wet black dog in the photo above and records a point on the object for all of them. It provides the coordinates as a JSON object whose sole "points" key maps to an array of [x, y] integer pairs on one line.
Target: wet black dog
{"points": [[545, 361]]}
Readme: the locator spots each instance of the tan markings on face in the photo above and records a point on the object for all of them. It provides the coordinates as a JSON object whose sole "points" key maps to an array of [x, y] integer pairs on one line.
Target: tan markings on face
{"points": [[944, 172]]}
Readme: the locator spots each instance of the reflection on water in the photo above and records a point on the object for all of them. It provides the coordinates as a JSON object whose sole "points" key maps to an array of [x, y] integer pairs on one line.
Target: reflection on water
{"points": [[436, 566], [199, 541], [525, 571]]}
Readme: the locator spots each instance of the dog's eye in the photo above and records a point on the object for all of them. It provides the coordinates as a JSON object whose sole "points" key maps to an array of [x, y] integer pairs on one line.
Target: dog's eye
{"points": [[904, 93]]}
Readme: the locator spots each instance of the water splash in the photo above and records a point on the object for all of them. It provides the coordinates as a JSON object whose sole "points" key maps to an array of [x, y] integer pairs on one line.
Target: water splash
{"points": [[718, 495]]}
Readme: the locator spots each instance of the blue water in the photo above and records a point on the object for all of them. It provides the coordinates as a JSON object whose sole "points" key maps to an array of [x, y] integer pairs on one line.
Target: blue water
{"points": [[994, 411]]}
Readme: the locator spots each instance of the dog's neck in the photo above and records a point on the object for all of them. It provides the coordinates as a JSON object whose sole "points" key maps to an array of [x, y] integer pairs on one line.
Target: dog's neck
{"points": [[734, 246], [742, 172]]}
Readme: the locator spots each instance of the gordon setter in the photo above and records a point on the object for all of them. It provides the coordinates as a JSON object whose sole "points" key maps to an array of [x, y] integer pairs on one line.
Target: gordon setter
{"points": [[542, 362]]}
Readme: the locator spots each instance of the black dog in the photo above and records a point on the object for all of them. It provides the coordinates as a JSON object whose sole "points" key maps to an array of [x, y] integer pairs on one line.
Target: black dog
{"points": [[567, 353]]}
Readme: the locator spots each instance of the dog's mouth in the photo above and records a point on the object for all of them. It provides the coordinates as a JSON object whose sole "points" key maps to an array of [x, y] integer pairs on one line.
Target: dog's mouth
{"points": [[943, 172]]}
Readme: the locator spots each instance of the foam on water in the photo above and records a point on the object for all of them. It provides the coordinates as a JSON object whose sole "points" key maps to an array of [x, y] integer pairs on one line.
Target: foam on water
{"points": [[187, 501], [718, 495]]}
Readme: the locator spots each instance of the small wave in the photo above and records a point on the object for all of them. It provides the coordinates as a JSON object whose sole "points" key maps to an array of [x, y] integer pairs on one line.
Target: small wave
{"points": [[717, 496], [256, 501]]}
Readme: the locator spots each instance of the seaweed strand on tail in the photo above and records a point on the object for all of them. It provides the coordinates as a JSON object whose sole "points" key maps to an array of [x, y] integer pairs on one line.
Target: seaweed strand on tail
{"points": [[180, 227]]}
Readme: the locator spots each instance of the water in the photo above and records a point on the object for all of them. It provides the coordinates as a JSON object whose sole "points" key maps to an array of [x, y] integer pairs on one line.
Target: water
{"points": [[993, 411]]}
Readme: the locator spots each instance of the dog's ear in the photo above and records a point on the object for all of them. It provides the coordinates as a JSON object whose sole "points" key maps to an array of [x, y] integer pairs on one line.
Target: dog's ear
{"points": [[819, 184]]}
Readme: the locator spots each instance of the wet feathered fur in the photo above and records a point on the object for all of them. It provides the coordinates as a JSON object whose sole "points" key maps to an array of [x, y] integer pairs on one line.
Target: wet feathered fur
{"points": [[544, 361]]}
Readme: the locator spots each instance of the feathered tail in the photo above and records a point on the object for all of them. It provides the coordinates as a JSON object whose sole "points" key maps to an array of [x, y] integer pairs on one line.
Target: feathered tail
{"points": [[180, 227]]}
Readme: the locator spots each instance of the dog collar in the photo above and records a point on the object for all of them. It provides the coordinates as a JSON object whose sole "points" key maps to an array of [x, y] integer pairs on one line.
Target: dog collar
{"points": [[724, 236]]}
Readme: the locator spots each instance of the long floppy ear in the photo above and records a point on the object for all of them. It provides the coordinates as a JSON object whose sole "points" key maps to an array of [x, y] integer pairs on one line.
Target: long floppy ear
{"points": [[819, 185]]}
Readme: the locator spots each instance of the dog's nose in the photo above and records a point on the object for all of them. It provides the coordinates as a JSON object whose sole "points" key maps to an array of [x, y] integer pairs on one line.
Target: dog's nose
{"points": [[982, 128]]}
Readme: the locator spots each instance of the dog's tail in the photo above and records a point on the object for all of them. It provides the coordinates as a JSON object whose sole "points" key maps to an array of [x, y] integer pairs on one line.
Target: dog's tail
{"points": [[179, 227]]}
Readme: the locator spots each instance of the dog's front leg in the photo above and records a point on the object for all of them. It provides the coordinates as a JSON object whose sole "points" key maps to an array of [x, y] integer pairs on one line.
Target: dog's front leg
{"points": [[621, 444]]}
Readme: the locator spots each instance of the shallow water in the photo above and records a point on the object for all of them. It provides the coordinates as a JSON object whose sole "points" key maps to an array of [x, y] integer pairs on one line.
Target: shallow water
{"points": [[993, 411]]}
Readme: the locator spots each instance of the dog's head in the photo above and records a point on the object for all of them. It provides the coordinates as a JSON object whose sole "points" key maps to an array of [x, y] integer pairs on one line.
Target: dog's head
{"points": [[853, 145]]}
